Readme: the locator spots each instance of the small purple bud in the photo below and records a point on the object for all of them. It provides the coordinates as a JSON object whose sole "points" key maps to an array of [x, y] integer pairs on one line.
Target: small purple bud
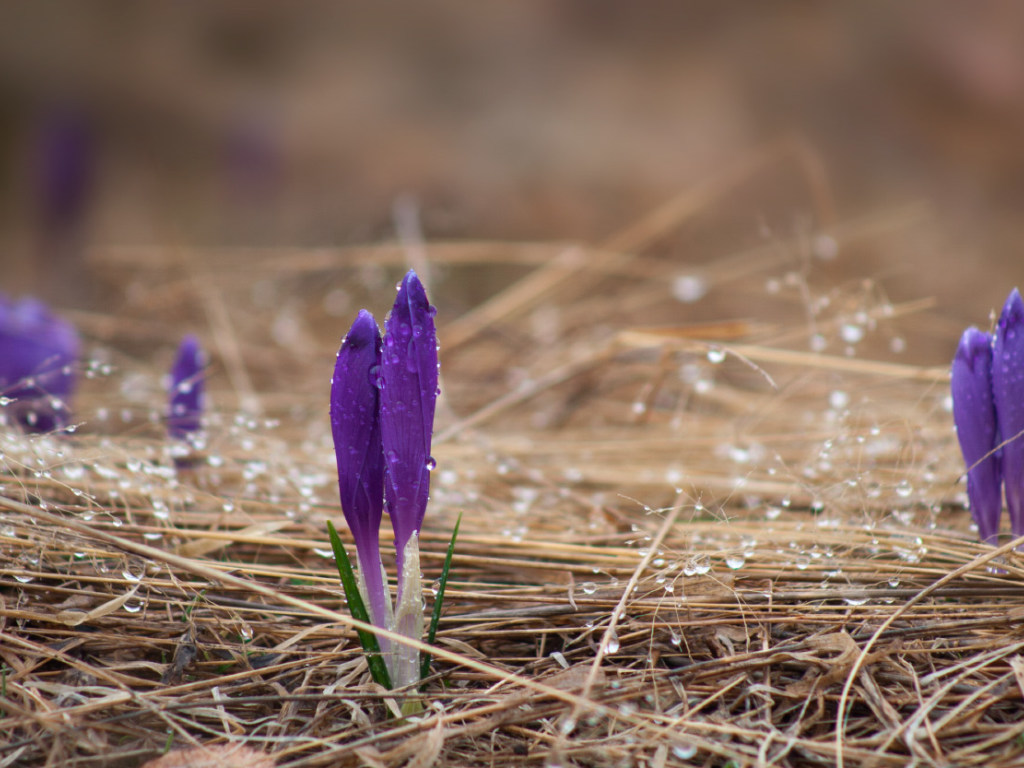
{"points": [[974, 414], [185, 411], [1008, 396], [38, 352], [409, 372], [355, 424]]}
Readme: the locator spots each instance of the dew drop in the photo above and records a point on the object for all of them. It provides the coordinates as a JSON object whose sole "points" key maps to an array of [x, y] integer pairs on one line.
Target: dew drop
{"points": [[134, 605], [689, 288], [838, 399], [684, 751], [716, 355], [851, 333], [735, 562], [588, 587], [613, 642], [825, 247], [431, 464]]}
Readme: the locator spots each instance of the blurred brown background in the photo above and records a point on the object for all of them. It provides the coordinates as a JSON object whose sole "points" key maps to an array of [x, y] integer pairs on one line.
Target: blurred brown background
{"points": [[274, 124]]}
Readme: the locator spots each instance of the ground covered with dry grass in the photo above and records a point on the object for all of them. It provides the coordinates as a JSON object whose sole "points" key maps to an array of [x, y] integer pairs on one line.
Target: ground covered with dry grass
{"points": [[712, 515]]}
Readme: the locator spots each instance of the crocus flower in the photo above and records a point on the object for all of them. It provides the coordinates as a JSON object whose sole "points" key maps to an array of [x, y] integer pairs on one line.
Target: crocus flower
{"points": [[1008, 397], [974, 413], [38, 351], [382, 416], [185, 410], [408, 397], [355, 424]]}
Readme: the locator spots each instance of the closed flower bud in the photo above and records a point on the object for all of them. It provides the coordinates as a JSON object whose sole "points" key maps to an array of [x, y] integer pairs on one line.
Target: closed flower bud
{"points": [[1008, 397], [974, 413]]}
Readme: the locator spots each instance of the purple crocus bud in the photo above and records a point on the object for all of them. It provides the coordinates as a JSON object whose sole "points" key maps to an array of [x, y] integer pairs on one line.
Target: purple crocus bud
{"points": [[1008, 395], [974, 413], [185, 411], [355, 424], [408, 397], [38, 352]]}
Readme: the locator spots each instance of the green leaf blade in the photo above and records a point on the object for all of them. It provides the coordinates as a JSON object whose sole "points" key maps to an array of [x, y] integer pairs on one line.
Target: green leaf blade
{"points": [[435, 616], [378, 669]]}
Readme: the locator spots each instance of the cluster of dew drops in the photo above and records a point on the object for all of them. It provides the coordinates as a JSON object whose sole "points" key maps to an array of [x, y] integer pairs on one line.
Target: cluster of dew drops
{"points": [[837, 324], [119, 469]]}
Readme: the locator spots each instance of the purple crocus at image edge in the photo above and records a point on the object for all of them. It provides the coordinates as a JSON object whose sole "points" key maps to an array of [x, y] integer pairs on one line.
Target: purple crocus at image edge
{"points": [[974, 414], [1008, 399], [186, 391], [383, 398], [38, 355]]}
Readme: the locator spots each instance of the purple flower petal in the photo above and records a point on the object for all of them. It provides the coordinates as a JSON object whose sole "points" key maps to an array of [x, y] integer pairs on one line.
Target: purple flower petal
{"points": [[355, 423], [1008, 394], [187, 387], [408, 397], [974, 414], [38, 351]]}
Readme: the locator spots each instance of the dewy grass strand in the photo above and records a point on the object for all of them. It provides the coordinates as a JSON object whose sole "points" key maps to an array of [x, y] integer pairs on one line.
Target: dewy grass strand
{"points": [[378, 669]]}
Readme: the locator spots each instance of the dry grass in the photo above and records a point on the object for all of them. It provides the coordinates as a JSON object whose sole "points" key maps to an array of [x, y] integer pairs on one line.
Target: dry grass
{"points": [[686, 539]]}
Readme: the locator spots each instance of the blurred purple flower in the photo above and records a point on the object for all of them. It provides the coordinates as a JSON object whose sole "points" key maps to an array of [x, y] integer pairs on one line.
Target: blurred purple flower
{"points": [[355, 425], [408, 397], [1008, 397], [974, 414], [185, 410], [64, 168], [38, 352]]}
